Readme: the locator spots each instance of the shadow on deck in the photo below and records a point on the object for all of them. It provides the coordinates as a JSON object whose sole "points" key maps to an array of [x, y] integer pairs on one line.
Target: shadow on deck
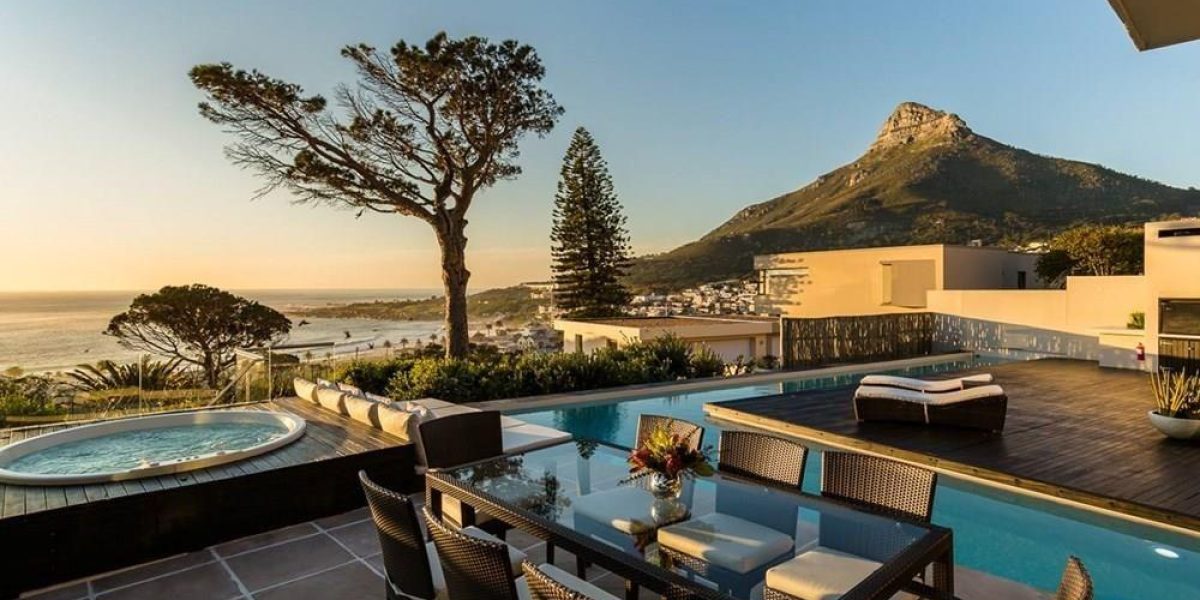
{"points": [[1074, 431]]}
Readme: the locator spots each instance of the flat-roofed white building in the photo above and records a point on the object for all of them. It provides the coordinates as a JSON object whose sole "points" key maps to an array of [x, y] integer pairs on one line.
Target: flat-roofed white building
{"points": [[869, 281], [731, 337]]}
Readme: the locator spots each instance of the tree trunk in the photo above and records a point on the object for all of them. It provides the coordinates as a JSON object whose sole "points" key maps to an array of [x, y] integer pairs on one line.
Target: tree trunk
{"points": [[454, 278]]}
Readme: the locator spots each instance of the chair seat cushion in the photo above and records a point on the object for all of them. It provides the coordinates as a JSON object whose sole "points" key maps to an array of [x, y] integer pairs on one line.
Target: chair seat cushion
{"points": [[626, 509], [726, 541], [515, 557], [820, 574], [527, 436], [587, 589], [452, 511], [305, 389]]}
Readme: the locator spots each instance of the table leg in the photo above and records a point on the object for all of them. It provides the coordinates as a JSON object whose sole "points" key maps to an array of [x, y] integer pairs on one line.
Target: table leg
{"points": [[943, 572]]}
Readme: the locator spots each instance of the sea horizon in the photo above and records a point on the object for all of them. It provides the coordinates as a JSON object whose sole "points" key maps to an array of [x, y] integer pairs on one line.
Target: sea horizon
{"points": [[46, 331]]}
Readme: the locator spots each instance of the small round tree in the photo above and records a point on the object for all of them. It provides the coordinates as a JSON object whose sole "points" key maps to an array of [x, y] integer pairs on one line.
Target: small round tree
{"points": [[197, 324]]}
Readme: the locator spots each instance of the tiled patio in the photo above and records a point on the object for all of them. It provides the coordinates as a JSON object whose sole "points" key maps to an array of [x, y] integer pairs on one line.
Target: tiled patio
{"points": [[339, 557]]}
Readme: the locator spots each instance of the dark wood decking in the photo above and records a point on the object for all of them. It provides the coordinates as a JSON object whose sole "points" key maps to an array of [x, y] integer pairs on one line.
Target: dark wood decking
{"points": [[66, 532], [1074, 431]]}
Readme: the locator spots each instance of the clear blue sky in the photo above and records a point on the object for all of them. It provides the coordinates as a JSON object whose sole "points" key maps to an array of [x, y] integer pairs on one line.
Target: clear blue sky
{"points": [[109, 178]]}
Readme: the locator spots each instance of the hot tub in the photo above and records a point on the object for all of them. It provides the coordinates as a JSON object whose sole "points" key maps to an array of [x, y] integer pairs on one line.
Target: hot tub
{"points": [[146, 446]]}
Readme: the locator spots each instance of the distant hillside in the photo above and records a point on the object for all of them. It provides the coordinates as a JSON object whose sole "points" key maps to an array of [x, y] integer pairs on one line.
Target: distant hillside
{"points": [[512, 303], [927, 178]]}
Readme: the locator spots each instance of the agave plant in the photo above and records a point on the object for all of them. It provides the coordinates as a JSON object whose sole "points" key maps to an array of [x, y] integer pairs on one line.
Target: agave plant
{"points": [[108, 375], [1176, 392]]}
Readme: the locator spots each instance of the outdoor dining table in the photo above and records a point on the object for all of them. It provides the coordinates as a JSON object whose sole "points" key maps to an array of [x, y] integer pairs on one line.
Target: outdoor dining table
{"points": [[540, 491]]}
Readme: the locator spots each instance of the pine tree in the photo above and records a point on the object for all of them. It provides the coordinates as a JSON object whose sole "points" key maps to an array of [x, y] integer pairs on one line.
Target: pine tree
{"points": [[590, 244]]}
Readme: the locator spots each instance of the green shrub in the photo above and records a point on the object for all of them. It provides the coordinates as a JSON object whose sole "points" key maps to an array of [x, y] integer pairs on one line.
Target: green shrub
{"points": [[490, 376], [371, 375], [29, 396]]}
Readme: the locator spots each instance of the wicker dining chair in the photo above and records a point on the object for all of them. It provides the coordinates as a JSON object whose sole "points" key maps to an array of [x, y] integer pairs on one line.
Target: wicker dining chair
{"points": [[1076, 583], [544, 587], [455, 440], [405, 557], [687, 430], [880, 484], [763, 456], [474, 568]]}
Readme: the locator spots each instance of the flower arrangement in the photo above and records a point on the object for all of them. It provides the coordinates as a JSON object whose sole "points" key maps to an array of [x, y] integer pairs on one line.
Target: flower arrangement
{"points": [[669, 455]]}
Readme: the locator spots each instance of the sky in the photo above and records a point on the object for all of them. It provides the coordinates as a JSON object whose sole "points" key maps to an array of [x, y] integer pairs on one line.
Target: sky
{"points": [[109, 179]]}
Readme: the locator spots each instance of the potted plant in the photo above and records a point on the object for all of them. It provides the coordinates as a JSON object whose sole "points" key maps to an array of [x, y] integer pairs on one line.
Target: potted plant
{"points": [[667, 459], [1177, 395]]}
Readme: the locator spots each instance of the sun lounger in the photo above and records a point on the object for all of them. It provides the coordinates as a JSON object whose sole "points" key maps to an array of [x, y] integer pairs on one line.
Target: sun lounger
{"points": [[930, 387], [983, 407]]}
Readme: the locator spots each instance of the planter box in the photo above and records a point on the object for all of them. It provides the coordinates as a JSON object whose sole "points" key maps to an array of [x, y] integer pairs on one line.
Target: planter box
{"points": [[1172, 427]]}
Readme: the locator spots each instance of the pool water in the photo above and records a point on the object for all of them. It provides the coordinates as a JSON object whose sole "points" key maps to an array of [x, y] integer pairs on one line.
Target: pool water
{"points": [[128, 450], [1002, 533]]}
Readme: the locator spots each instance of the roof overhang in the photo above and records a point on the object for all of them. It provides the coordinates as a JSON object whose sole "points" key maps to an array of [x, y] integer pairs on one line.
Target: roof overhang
{"points": [[1157, 23]]}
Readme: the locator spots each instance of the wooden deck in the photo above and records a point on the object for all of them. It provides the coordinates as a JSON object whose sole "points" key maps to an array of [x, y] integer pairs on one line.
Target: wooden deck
{"points": [[1074, 431], [68, 531]]}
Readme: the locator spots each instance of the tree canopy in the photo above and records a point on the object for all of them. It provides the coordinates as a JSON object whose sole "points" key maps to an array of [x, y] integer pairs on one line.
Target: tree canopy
{"points": [[1093, 250], [590, 243], [198, 325], [421, 132]]}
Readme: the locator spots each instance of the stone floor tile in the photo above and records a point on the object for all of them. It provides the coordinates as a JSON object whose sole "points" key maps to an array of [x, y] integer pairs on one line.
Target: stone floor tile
{"points": [[206, 582], [353, 580], [265, 539], [290, 560]]}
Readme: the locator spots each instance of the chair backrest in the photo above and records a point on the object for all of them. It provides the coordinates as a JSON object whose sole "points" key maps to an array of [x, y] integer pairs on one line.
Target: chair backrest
{"points": [[544, 587], [884, 485], [692, 432], [404, 556], [763, 456], [458, 439], [1076, 584], [475, 569]]}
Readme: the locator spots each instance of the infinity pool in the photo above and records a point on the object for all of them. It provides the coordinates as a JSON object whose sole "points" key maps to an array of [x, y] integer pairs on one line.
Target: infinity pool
{"points": [[1002, 533]]}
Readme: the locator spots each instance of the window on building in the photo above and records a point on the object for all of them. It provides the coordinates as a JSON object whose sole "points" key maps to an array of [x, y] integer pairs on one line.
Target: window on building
{"points": [[579, 343], [1021, 282], [1179, 317]]}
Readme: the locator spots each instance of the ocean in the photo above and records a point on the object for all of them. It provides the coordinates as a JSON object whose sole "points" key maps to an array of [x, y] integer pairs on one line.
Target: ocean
{"points": [[49, 331]]}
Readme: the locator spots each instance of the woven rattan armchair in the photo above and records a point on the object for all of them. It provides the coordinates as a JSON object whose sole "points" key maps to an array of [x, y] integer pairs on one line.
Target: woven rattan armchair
{"points": [[544, 587], [763, 456], [687, 430], [880, 484], [1076, 584], [455, 440], [474, 568], [405, 558]]}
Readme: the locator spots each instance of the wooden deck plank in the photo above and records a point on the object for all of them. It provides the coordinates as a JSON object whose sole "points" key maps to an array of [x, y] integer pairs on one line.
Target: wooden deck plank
{"points": [[1074, 430]]}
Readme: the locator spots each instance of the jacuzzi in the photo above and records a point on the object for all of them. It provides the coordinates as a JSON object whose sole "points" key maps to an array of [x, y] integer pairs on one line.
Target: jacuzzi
{"points": [[150, 446]]}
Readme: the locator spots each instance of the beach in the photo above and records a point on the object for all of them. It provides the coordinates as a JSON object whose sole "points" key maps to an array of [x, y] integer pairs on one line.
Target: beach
{"points": [[51, 331]]}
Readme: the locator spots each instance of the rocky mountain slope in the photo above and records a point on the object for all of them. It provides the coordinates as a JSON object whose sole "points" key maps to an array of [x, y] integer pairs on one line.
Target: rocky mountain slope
{"points": [[927, 178]]}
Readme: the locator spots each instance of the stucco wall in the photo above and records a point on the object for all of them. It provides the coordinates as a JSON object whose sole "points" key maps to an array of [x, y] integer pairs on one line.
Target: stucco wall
{"points": [[969, 268]]}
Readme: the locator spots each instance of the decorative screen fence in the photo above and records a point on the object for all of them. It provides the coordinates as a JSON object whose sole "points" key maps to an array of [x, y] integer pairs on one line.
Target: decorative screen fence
{"points": [[814, 342]]}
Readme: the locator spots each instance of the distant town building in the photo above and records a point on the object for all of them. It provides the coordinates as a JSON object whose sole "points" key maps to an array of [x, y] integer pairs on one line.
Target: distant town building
{"points": [[747, 337]]}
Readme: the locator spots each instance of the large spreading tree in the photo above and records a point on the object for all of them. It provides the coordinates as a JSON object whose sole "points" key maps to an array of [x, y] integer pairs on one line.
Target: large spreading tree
{"points": [[1093, 250], [423, 130], [590, 243], [198, 325]]}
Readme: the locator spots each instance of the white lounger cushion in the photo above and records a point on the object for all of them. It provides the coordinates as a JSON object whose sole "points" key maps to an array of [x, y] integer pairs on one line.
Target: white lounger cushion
{"points": [[332, 399], [726, 541], [568, 580], [891, 393], [515, 557], [362, 410], [305, 389], [820, 574], [397, 422], [920, 385], [527, 436], [626, 509]]}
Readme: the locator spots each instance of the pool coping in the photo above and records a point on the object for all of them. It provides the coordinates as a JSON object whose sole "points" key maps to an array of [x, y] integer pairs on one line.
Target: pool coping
{"points": [[1078, 499], [547, 401]]}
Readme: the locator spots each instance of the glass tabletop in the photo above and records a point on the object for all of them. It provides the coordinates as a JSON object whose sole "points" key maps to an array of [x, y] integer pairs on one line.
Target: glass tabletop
{"points": [[739, 526]]}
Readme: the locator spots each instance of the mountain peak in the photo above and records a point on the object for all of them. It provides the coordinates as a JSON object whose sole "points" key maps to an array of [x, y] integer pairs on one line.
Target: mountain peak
{"points": [[912, 121]]}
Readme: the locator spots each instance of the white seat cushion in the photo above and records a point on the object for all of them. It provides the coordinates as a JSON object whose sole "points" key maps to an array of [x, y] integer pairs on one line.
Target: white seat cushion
{"points": [[568, 580], [820, 574], [921, 385], [526, 437], [399, 423], [515, 557], [726, 541], [625, 509], [431, 403], [332, 399], [362, 410], [452, 511], [942, 399], [305, 389]]}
